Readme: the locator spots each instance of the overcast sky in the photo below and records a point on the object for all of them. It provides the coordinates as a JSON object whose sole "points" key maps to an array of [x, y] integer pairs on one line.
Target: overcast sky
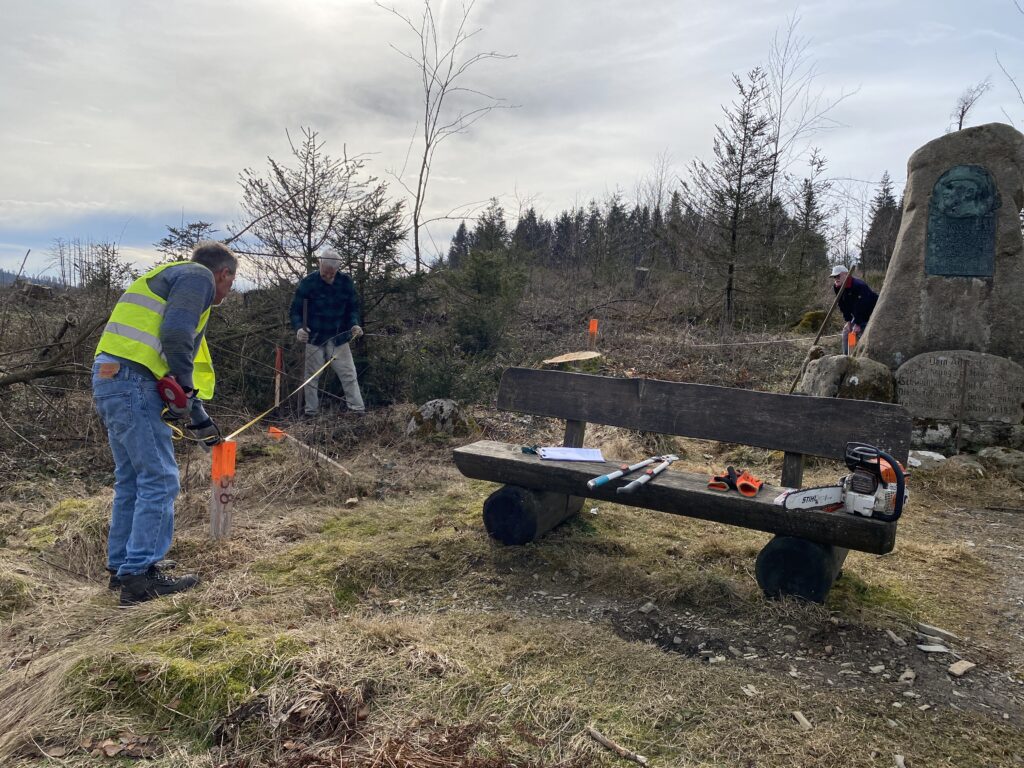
{"points": [[118, 117]]}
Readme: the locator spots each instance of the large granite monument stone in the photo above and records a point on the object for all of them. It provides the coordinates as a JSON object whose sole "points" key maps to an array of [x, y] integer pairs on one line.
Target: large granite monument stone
{"points": [[956, 278], [949, 322]]}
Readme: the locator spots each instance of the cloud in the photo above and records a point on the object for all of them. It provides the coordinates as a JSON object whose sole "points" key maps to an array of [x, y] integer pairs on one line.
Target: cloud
{"points": [[114, 110]]}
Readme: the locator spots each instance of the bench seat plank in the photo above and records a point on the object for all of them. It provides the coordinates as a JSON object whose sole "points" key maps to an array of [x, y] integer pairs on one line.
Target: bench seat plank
{"points": [[674, 492]]}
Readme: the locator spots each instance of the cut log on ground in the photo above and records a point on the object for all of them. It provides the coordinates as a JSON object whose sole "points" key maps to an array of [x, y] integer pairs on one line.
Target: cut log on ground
{"points": [[515, 515]]}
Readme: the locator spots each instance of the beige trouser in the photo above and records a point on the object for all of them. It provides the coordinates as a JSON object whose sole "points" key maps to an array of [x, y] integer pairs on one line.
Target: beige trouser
{"points": [[343, 365]]}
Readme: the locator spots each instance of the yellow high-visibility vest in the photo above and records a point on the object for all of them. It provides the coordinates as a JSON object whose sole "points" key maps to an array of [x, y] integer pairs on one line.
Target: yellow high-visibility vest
{"points": [[133, 332]]}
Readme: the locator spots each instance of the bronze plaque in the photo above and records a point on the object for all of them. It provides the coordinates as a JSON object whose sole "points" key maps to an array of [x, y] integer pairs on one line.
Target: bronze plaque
{"points": [[962, 218]]}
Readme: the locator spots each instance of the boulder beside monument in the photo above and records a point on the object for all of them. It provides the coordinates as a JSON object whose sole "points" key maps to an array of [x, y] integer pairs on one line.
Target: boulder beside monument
{"points": [[949, 323]]}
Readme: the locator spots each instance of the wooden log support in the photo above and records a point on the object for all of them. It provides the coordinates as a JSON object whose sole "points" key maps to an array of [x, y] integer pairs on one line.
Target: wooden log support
{"points": [[516, 516], [798, 568]]}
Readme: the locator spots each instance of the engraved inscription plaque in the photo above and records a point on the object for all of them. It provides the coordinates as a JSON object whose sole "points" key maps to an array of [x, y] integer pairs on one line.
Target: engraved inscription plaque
{"points": [[929, 387], [962, 217]]}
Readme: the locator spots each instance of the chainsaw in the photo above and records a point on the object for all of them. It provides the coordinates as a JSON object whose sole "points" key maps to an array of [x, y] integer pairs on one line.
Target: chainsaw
{"points": [[876, 487]]}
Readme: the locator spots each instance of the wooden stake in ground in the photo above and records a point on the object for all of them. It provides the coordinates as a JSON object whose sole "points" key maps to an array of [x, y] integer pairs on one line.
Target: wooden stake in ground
{"points": [[622, 752], [278, 371], [222, 492]]}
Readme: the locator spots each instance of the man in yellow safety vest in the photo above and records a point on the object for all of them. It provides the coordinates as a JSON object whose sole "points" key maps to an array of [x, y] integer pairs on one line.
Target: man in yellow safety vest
{"points": [[156, 334]]}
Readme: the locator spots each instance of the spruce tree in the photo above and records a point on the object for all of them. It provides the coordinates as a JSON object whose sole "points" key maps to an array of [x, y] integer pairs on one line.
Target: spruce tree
{"points": [[885, 223], [459, 249], [732, 187]]}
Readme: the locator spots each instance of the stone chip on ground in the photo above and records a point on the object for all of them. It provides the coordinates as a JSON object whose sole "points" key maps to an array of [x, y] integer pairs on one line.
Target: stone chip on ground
{"points": [[943, 634], [960, 668]]}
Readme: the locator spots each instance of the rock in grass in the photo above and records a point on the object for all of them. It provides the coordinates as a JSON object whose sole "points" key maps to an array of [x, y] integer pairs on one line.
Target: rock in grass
{"points": [[896, 638], [925, 459], [944, 634], [805, 724], [647, 608], [960, 668], [440, 417]]}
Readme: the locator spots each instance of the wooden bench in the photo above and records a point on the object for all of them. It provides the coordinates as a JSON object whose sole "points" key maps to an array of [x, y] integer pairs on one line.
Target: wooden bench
{"points": [[809, 547]]}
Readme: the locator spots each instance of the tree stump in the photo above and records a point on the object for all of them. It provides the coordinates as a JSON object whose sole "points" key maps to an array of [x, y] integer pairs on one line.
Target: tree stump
{"points": [[581, 362], [798, 568], [517, 516]]}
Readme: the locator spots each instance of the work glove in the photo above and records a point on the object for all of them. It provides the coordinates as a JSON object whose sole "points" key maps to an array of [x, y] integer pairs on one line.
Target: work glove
{"points": [[302, 335], [856, 329], [724, 482], [207, 433], [176, 408], [355, 333]]}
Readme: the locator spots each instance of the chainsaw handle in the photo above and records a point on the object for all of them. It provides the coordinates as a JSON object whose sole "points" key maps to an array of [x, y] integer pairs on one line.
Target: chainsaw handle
{"points": [[901, 488]]}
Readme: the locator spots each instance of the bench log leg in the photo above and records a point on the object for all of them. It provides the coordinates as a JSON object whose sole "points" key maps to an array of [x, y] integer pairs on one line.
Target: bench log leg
{"points": [[798, 568], [515, 515]]}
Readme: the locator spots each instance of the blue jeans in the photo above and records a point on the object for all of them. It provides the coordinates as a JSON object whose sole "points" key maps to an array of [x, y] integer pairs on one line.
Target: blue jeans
{"points": [[145, 473]]}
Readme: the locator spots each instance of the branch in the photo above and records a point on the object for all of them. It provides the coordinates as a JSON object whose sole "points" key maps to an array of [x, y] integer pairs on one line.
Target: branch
{"points": [[622, 752], [1010, 78], [40, 372]]}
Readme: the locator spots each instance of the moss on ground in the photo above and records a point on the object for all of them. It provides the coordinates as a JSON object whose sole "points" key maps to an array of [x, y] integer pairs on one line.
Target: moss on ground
{"points": [[15, 592], [851, 595], [189, 681]]}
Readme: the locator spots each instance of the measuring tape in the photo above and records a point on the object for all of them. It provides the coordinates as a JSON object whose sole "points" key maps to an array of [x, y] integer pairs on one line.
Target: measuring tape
{"points": [[271, 409]]}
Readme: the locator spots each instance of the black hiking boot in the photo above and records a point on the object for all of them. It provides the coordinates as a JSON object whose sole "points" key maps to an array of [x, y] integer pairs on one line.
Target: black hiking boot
{"points": [[114, 584], [140, 587]]}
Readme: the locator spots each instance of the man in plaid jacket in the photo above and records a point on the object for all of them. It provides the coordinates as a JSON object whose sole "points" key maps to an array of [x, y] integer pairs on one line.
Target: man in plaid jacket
{"points": [[332, 321]]}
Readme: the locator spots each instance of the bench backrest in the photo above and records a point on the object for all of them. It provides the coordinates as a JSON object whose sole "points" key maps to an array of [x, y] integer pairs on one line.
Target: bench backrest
{"points": [[796, 424]]}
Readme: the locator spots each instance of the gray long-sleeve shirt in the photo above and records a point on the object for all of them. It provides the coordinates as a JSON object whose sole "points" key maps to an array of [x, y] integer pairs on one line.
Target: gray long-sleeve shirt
{"points": [[188, 290]]}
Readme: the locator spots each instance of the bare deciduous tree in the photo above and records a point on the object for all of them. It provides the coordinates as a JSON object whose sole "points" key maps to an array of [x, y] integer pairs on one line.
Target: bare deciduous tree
{"points": [[449, 106], [966, 101], [797, 109]]}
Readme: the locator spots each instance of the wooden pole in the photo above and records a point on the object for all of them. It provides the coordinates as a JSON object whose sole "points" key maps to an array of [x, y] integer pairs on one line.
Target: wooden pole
{"points": [[222, 492], [279, 369], [302, 356], [821, 330]]}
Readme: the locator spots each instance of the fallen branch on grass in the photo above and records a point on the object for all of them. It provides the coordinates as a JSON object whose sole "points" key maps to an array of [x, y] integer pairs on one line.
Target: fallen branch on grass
{"points": [[622, 752]]}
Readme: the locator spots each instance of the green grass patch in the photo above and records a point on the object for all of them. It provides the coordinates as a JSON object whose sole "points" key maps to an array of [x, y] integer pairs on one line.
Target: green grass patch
{"points": [[189, 681], [853, 596], [15, 592]]}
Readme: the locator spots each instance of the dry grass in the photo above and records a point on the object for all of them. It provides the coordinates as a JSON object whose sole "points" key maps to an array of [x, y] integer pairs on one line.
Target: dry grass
{"points": [[397, 633]]}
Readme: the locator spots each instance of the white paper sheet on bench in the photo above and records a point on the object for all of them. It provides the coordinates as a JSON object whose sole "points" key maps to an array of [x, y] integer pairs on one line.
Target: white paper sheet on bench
{"points": [[560, 453]]}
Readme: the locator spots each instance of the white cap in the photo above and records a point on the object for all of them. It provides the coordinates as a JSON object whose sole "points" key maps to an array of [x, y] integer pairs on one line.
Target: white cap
{"points": [[330, 257], [838, 270]]}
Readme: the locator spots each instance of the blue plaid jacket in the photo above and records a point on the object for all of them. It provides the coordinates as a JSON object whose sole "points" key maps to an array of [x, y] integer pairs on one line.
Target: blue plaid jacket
{"points": [[333, 309]]}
